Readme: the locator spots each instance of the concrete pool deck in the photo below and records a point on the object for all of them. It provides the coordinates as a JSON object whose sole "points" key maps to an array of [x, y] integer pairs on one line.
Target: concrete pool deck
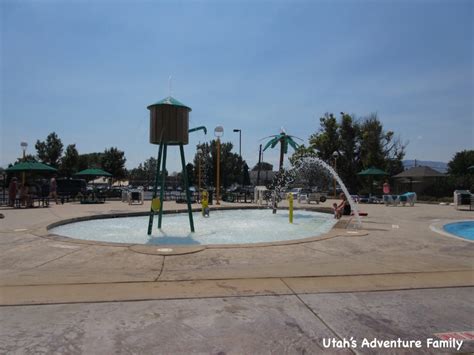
{"points": [[397, 255]]}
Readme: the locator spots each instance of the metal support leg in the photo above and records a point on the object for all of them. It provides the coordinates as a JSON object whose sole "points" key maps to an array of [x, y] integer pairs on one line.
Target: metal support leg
{"points": [[162, 190], [186, 187], [155, 187]]}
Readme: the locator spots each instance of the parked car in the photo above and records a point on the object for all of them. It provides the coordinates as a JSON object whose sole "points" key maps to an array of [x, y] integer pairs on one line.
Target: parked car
{"points": [[296, 191], [309, 195]]}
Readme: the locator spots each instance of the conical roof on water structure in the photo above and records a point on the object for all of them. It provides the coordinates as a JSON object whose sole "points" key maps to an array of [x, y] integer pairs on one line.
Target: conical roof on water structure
{"points": [[169, 122], [169, 101]]}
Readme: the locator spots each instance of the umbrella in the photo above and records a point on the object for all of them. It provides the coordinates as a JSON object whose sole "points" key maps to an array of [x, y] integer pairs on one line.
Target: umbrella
{"points": [[372, 172], [93, 172], [30, 166], [470, 168]]}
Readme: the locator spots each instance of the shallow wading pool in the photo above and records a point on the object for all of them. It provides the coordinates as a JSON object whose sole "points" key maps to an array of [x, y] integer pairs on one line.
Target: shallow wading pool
{"points": [[222, 227]]}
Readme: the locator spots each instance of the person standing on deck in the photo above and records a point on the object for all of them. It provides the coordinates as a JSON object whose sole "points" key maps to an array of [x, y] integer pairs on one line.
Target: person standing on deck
{"points": [[12, 191], [53, 189]]}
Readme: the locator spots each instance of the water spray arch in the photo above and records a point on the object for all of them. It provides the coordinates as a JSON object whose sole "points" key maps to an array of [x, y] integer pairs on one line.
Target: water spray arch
{"points": [[301, 162]]}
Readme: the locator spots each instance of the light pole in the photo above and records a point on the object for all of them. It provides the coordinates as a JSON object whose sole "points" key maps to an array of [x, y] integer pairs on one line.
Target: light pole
{"points": [[218, 132], [199, 153], [23, 145], [240, 154], [240, 140], [260, 154], [335, 155]]}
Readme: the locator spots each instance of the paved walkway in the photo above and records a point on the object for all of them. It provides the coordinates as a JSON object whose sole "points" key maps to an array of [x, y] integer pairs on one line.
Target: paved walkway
{"points": [[395, 278]]}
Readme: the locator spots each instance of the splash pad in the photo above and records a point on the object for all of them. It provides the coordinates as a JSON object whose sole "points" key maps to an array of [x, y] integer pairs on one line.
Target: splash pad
{"points": [[222, 227]]}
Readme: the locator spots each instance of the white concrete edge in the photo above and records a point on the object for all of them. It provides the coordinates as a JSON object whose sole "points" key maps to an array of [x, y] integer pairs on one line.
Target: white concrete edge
{"points": [[437, 227]]}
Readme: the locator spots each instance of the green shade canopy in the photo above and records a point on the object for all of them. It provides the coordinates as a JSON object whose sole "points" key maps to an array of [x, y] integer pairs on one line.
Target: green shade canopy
{"points": [[372, 172], [30, 166], [93, 172], [470, 168], [170, 101]]}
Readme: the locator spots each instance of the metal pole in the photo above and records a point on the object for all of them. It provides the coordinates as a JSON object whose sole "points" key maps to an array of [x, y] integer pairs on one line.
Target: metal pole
{"points": [[162, 190], [259, 164], [186, 187], [155, 188], [240, 154], [199, 176], [240, 143], [218, 170], [23, 173]]}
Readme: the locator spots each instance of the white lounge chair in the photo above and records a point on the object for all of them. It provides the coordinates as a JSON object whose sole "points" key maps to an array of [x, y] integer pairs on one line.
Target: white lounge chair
{"points": [[463, 198], [391, 200], [408, 198]]}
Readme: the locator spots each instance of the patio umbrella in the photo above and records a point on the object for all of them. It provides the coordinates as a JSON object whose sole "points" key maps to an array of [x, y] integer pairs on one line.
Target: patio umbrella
{"points": [[93, 173], [471, 168], [371, 172], [30, 166]]}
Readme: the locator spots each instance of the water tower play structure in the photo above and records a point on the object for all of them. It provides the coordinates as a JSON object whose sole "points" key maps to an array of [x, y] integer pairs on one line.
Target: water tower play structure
{"points": [[169, 125]]}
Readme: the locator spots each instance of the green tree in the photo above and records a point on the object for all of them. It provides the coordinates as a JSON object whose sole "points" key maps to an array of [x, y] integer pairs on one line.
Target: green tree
{"points": [[70, 161], [149, 170], [50, 151], [326, 141], [113, 161], [460, 163], [310, 173], [231, 164], [28, 158], [137, 176], [90, 160], [461, 176], [246, 176], [203, 161], [263, 166], [302, 152], [190, 173], [359, 144], [348, 162]]}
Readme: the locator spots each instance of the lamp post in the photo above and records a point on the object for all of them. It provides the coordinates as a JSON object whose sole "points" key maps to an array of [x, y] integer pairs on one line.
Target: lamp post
{"points": [[199, 153], [218, 132], [260, 154], [240, 154], [23, 145], [240, 140], [335, 155]]}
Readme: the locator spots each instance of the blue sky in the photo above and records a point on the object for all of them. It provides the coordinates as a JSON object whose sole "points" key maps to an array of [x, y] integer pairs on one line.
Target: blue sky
{"points": [[88, 69]]}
